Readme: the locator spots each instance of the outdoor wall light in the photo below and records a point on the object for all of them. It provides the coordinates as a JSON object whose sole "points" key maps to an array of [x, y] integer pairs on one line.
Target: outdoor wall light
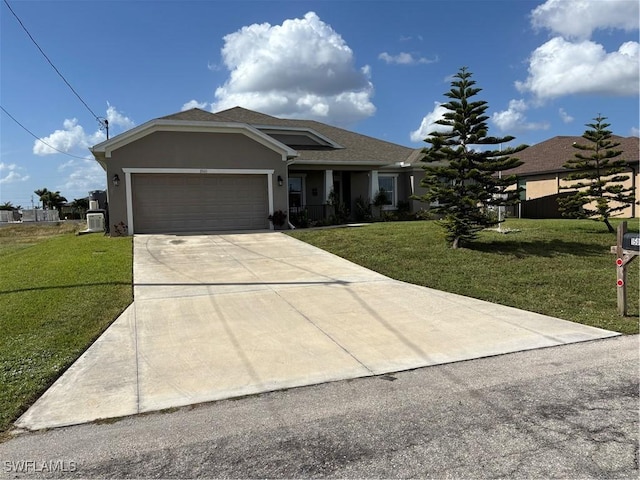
{"points": [[280, 181], [116, 180]]}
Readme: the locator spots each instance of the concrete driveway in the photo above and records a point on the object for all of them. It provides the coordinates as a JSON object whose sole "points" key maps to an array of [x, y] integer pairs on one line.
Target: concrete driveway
{"points": [[220, 316]]}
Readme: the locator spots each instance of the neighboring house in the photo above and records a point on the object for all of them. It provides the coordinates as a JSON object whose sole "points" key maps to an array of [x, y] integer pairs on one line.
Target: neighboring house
{"points": [[196, 171], [542, 173]]}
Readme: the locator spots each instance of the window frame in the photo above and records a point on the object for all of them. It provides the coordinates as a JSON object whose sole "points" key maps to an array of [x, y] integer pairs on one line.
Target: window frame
{"points": [[394, 191], [303, 193]]}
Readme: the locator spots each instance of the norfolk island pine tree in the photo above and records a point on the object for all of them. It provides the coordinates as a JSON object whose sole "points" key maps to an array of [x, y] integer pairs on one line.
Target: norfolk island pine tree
{"points": [[462, 182], [599, 188]]}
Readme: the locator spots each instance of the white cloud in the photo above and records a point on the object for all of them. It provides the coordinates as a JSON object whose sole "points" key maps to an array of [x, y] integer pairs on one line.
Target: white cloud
{"points": [[560, 68], [118, 119], [11, 174], [429, 125], [514, 119], [300, 69], [69, 138], [406, 38], [193, 104], [580, 18], [566, 118], [404, 58], [635, 132], [85, 175], [73, 136]]}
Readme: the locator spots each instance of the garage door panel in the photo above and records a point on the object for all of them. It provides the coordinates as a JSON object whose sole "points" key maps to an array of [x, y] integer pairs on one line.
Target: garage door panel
{"points": [[196, 203]]}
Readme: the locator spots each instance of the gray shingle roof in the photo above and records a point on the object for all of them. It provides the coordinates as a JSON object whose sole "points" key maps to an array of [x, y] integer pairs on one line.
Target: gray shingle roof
{"points": [[358, 149], [550, 155], [193, 115]]}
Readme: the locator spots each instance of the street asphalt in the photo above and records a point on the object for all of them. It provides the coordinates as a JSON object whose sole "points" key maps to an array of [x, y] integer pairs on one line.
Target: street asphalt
{"points": [[567, 412]]}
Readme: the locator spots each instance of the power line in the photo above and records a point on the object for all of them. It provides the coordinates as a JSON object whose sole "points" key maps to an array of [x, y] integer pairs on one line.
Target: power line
{"points": [[103, 122], [38, 138]]}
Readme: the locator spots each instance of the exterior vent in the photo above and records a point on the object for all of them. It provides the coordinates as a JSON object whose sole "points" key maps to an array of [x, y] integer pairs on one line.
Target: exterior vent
{"points": [[95, 222]]}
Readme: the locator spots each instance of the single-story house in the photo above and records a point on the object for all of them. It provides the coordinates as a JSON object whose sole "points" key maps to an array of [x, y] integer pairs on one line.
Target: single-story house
{"points": [[196, 171], [542, 173]]}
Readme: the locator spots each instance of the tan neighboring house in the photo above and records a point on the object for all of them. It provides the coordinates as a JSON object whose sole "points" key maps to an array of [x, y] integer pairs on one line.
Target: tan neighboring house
{"points": [[542, 173], [196, 171]]}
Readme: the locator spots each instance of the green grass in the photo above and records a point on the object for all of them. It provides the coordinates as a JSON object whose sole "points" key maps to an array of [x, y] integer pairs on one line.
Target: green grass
{"points": [[14, 237], [561, 268], [58, 292]]}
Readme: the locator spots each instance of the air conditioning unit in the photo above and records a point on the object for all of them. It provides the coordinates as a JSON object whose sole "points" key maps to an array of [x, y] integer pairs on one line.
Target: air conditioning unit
{"points": [[95, 222]]}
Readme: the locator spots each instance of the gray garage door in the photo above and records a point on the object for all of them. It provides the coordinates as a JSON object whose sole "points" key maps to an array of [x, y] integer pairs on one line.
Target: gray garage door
{"points": [[166, 203]]}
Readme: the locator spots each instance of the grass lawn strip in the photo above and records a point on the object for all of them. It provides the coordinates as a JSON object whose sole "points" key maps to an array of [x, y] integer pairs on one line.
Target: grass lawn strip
{"points": [[58, 293], [561, 268]]}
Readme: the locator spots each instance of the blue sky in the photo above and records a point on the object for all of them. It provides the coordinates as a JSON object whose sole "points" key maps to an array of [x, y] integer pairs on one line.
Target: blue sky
{"points": [[375, 67]]}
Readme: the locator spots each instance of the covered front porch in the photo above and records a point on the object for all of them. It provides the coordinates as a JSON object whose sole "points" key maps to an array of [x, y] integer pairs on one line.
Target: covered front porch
{"points": [[327, 196]]}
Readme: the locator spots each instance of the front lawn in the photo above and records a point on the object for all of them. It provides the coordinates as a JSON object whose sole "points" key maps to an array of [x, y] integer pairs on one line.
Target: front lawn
{"points": [[58, 293], [561, 268]]}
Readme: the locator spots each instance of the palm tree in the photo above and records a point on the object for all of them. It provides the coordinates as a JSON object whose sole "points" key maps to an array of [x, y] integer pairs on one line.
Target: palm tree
{"points": [[50, 199], [9, 206]]}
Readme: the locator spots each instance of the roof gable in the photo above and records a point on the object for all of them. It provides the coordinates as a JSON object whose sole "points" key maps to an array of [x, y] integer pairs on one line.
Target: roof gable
{"points": [[185, 123]]}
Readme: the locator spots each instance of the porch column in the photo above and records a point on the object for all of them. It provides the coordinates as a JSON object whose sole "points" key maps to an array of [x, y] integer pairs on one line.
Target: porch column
{"points": [[373, 184], [328, 184]]}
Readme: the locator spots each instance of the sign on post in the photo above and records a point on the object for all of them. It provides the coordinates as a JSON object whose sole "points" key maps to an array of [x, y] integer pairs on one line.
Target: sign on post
{"points": [[627, 249]]}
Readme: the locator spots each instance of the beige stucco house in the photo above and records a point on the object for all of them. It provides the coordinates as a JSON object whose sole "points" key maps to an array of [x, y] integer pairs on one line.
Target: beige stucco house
{"points": [[196, 171], [542, 174]]}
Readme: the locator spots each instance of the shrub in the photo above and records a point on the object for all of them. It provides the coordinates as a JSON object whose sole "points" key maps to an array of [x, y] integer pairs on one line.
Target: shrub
{"points": [[278, 218], [362, 211]]}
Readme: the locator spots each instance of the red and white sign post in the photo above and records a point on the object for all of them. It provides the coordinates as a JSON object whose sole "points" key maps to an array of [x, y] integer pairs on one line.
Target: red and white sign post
{"points": [[624, 257]]}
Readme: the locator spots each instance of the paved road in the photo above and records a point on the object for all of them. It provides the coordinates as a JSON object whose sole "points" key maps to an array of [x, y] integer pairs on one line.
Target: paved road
{"points": [[564, 412]]}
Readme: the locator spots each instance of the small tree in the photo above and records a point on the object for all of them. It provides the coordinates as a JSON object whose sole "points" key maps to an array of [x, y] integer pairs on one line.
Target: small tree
{"points": [[340, 211], [79, 207], [380, 199], [463, 182], [599, 189], [80, 204]]}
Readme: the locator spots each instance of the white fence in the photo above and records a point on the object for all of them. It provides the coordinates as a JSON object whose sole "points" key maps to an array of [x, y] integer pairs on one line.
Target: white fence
{"points": [[6, 216], [35, 215]]}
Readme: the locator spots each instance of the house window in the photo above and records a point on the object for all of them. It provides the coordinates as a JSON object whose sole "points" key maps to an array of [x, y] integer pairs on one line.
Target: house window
{"points": [[389, 184], [296, 192]]}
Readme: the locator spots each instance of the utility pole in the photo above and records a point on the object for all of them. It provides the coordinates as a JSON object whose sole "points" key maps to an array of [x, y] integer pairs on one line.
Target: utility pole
{"points": [[104, 123]]}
